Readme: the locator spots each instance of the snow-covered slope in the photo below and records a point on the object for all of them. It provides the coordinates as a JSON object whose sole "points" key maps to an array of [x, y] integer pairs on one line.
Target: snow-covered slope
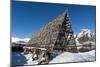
{"points": [[74, 57], [15, 39]]}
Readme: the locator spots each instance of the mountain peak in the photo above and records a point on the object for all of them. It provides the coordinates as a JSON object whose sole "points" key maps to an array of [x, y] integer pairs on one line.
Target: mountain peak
{"points": [[85, 32]]}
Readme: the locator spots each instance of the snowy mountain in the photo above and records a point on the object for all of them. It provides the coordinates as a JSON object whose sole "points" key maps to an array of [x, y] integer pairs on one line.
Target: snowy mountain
{"points": [[85, 40], [85, 32], [85, 35], [19, 40], [15, 39]]}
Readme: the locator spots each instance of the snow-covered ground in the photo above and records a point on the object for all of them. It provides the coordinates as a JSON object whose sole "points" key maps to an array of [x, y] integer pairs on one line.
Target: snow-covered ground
{"points": [[74, 57], [21, 59]]}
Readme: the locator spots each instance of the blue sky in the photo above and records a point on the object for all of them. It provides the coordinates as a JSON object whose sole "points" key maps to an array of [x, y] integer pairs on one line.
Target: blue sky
{"points": [[29, 17]]}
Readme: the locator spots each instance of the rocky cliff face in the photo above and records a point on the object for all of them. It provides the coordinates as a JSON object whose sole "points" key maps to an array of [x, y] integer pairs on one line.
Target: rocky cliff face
{"points": [[56, 33]]}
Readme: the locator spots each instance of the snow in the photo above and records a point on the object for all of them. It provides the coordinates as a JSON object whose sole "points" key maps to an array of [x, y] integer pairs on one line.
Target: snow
{"points": [[29, 59], [74, 57], [21, 59], [34, 47], [16, 39], [81, 34], [79, 45], [28, 47], [84, 32], [77, 42], [42, 48]]}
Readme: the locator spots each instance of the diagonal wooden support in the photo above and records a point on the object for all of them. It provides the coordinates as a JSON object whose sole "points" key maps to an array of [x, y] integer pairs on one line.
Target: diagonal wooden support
{"points": [[40, 57]]}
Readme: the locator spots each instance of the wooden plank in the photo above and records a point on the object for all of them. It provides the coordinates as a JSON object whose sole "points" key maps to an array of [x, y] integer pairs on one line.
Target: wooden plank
{"points": [[40, 57]]}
